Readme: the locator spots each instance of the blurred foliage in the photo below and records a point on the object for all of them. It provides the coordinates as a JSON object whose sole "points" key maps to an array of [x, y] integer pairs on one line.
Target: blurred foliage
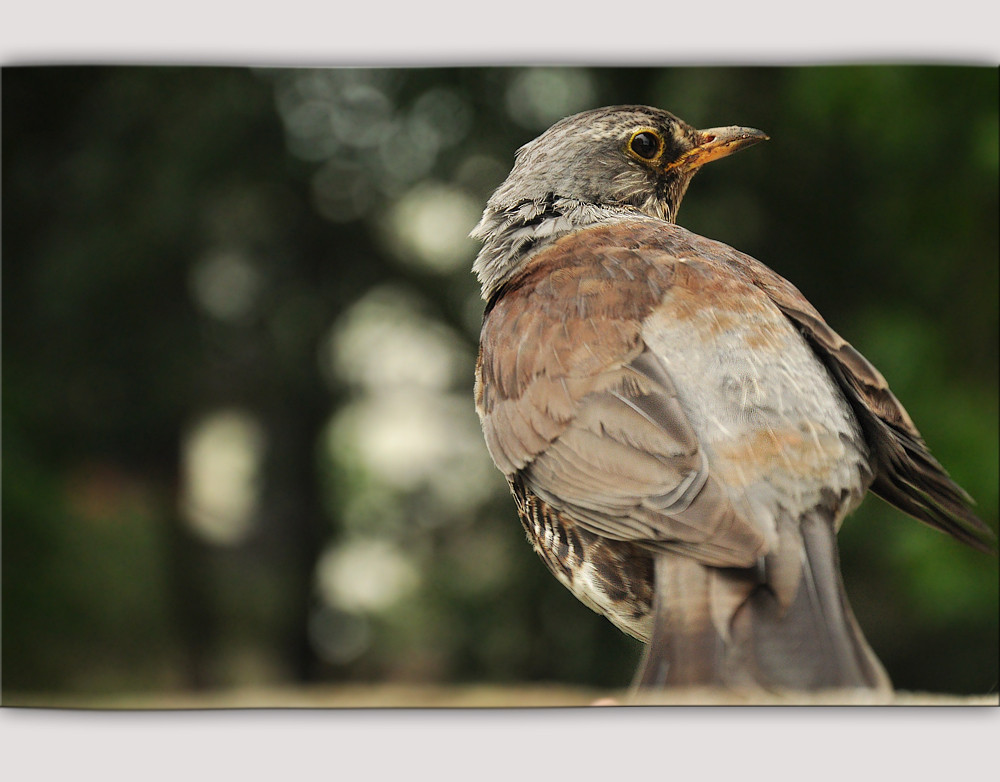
{"points": [[274, 265]]}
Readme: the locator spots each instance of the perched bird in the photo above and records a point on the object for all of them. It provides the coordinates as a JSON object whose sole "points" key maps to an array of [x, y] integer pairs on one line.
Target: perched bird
{"points": [[682, 432]]}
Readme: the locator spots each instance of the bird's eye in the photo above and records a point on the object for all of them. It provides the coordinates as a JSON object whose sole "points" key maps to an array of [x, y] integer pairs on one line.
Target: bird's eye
{"points": [[646, 144]]}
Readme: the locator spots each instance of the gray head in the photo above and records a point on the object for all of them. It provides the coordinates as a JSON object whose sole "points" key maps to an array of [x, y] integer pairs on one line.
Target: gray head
{"points": [[627, 159]]}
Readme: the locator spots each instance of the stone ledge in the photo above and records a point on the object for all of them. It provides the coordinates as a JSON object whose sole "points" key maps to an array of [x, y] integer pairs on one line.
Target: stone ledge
{"points": [[401, 696]]}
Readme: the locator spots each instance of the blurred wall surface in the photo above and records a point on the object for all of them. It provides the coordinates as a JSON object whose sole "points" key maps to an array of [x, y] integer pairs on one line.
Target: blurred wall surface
{"points": [[239, 330]]}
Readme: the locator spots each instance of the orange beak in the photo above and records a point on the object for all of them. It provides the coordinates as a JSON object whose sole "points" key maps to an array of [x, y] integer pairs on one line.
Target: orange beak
{"points": [[716, 143]]}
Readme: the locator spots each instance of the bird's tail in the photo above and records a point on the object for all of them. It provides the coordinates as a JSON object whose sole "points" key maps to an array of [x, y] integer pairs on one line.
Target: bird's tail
{"points": [[784, 626]]}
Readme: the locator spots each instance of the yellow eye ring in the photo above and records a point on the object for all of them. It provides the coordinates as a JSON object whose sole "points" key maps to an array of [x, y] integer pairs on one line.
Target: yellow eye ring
{"points": [[645, 144]]}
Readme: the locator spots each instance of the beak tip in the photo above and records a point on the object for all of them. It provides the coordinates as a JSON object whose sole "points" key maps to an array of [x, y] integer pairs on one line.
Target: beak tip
{"points": [[754, 135]]}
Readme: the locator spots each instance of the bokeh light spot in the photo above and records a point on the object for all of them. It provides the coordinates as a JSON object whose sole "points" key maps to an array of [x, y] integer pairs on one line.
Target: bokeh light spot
{"points": [[222, 457], [430, 226], [538, 97], [225, 286], [365, 575]]}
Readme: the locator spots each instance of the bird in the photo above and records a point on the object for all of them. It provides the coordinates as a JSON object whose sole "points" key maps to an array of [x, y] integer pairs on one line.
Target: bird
{"points": [[681, 430]]}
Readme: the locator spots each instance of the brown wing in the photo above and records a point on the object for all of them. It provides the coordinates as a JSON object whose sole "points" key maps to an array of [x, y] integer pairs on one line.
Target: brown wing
{"points": [[572, 400], [906, 474]]}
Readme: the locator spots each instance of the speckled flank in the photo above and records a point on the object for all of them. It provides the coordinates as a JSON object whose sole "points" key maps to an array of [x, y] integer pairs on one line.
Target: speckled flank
{"points": [[612, 579]]}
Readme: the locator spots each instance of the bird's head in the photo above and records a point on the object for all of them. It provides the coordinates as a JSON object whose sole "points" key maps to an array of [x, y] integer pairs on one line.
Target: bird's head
{"points": [[610, 161], [621, 156]]}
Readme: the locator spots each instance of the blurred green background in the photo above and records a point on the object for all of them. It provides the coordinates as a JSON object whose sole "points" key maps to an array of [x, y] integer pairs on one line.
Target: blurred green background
{"points": [[239, 329]]}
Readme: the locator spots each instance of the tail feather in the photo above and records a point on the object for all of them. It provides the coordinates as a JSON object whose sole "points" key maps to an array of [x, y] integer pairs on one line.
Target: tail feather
{"points": [[732, 628], [815, 642], [684, 648]]}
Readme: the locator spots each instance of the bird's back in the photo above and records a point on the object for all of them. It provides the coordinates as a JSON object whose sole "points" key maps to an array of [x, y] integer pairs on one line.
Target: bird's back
{"points": [[765, 413]]}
